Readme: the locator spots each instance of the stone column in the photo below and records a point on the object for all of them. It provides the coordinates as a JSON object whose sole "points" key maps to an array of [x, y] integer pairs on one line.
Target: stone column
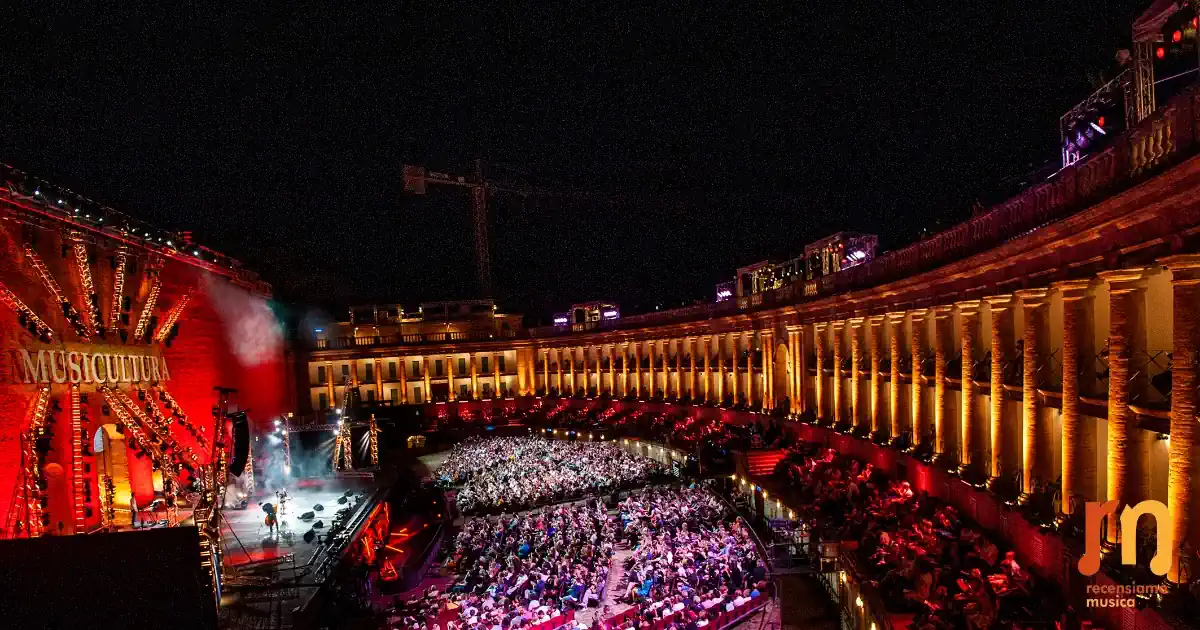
{"points": [[693, 377], [354, 374], [768, 343], [707, 368], [875, 348], [571, 370], [329, 384], [624, 369], [1078, 442], [587, 372], [678, 369], [653, 350], [895, 333], [1181, 463], [558, 355], [450, 377], [944, 427], [637, 369], [496, 376], [426, 379], [856, 326], [474, 377], [793, 336], [546, 370], [379, 380], [971, 452], [819, 334], [1003, 460], [1033, 443], [733, 365], [612, 370], [1127, 474], [920, 421], [838, 327], [403, 382], [749, 368], [720, 369]]}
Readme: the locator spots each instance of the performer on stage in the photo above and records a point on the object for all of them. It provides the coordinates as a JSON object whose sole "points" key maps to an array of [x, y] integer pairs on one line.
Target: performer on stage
{"points": [[271, 520]]}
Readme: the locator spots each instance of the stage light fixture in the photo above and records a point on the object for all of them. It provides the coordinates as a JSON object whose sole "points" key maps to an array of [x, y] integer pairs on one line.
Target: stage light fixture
{"points": [[1177, 36], [1160, 52]]}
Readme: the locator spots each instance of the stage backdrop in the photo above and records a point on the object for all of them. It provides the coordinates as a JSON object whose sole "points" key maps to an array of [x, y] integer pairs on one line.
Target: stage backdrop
{"points": [[118, 343]]}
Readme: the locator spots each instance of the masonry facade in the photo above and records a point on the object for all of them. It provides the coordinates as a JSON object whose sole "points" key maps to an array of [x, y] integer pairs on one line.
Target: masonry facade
{"points": [[1050, 342]]}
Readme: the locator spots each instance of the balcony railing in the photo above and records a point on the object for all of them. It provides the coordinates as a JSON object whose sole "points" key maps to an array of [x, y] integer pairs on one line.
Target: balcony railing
{"points": [[345, 343], [1166, 137]]}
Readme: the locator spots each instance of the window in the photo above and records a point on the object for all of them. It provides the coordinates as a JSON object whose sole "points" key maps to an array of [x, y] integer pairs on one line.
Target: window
{"points": [[487, 390], [462, 366], [345, 370], [437, 367], [321, 374], [500, 362], [462, 393], [323, 401], [370, 372], [370, 395], [503, 389], [392, 370], [484, 361], [417, 396], [416, 372], [395, 396]]}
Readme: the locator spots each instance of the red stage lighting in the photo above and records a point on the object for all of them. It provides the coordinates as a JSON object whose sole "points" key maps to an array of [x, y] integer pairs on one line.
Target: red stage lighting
{"points": [[1160, 52], [1100, 121], [1177, 36]]}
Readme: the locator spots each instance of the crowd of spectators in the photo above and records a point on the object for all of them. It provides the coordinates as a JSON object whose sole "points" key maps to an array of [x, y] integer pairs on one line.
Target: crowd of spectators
{"points": [[691, 560], [509, 474], [924, 558]]}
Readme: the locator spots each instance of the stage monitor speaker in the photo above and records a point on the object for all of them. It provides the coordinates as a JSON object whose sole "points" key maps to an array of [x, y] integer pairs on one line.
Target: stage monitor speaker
{"points": [[310, 536], [318, 508], [319, 525], [241, 443], [307, 516]]}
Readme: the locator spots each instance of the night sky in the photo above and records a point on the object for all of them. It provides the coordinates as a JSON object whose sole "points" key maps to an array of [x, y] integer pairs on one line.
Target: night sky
{"points": [[692, 138]]}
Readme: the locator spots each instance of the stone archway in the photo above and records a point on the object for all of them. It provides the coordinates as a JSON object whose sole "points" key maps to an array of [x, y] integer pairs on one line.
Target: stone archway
{"points": [[112, 463], [781, 375]]}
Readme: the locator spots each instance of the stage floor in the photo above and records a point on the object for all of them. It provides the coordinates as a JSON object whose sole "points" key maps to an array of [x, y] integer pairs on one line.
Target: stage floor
{"points": [[247, 539]]}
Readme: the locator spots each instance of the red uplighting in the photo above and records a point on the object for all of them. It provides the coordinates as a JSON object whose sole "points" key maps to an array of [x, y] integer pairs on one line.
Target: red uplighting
{"points": [[1100, 121], [1196, 22], [1177, 36], [1160, 53]]}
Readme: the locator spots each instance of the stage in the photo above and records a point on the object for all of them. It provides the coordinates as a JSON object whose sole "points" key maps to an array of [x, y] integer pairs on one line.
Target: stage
{"points": [[275, 575], [247, 540]]}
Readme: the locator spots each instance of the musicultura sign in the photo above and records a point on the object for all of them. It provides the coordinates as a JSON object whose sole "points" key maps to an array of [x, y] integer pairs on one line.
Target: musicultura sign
{"points": [[90, 365]]}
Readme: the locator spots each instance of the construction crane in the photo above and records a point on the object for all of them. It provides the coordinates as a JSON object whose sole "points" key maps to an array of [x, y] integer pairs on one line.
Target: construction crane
{"points": [[416, 178]]}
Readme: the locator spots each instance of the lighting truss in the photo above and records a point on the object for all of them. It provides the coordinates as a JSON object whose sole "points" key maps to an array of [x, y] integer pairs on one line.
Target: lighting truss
{"points": [[373, 431], [31, 493], [142, 441], [164, 329], [180, 416], [114, 315], [147, 309], [54, 289], [91, 311], [11, 300], [77, 459], [343, 458]]}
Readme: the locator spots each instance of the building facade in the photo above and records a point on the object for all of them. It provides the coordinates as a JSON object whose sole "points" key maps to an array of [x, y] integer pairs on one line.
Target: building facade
{"points": [[1049, 342]]}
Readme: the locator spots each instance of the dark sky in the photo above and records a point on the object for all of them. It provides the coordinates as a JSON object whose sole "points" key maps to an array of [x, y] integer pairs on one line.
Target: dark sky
{"points": [[707, 135]]}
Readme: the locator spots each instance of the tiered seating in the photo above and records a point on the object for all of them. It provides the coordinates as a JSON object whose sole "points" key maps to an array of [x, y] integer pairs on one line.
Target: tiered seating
{"points": [[762, 463]]}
